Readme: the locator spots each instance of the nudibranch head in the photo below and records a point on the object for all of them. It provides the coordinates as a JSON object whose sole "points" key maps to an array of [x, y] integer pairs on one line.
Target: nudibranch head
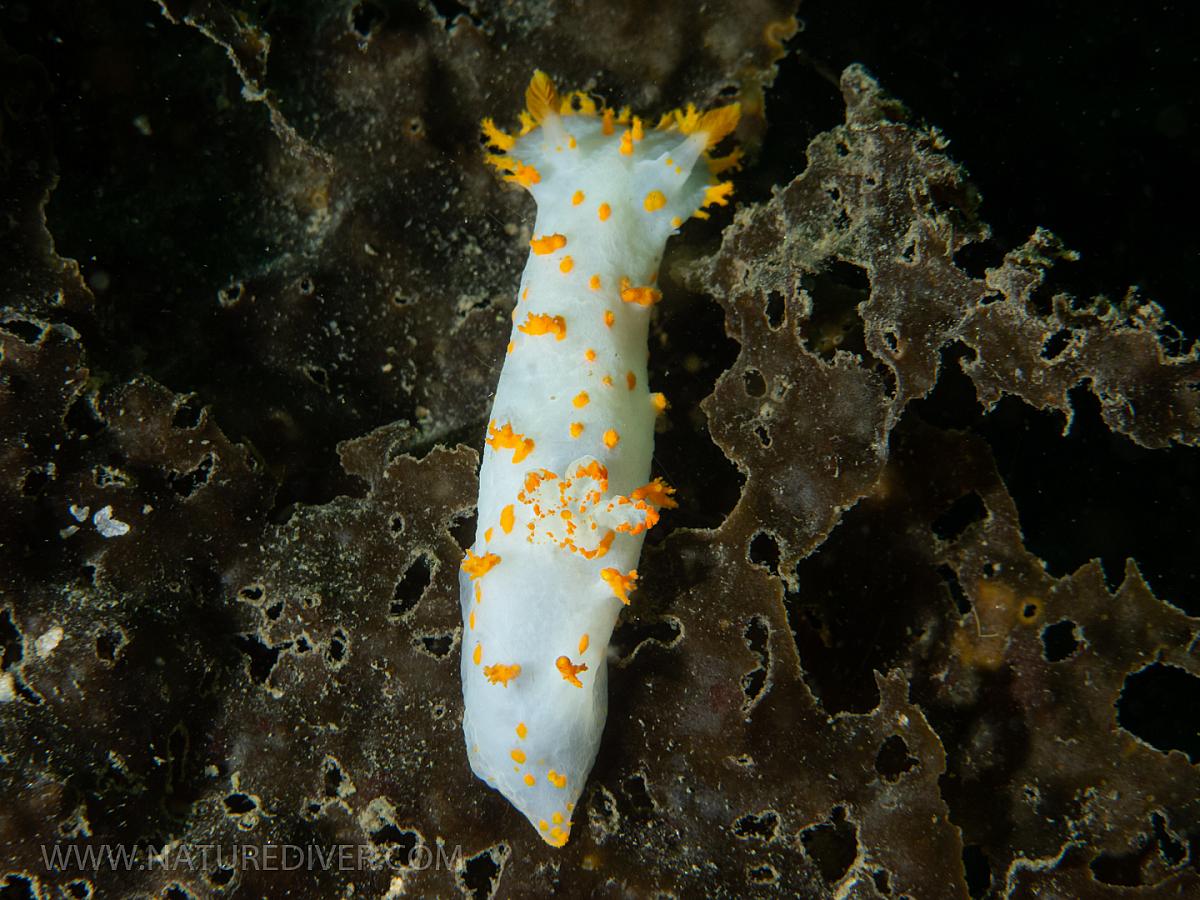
{"points": [[569, 147]]}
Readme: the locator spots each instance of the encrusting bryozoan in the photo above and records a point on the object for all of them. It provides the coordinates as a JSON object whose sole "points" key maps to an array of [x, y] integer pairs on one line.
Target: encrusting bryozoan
{"points": [[565, 495]]}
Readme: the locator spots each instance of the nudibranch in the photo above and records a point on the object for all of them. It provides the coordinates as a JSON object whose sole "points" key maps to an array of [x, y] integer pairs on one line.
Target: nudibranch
{"points": [[565, 494]]}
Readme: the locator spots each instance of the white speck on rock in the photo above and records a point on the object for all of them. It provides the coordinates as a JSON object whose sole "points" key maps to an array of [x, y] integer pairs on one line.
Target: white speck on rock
{"points": [[8, 689], [46, 643], [107, 525], [79, 512]]}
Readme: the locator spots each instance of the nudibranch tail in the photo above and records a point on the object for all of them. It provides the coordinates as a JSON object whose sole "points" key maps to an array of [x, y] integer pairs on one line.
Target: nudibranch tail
{"points": [[565, 495]]}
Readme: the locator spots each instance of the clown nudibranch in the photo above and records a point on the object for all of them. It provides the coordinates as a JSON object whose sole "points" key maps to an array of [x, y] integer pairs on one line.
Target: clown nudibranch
{"points": [[565, 495]]}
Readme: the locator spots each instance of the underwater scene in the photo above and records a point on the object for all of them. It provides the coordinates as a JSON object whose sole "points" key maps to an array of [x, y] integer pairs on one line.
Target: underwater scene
{"points": [[516, 448]]}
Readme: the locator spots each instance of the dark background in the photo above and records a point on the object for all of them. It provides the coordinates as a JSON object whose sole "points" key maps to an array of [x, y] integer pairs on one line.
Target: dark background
{"points": [[1080, 117]]}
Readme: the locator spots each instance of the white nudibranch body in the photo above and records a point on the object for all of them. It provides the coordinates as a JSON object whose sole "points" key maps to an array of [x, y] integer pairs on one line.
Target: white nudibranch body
{"points": [[565, 495]]}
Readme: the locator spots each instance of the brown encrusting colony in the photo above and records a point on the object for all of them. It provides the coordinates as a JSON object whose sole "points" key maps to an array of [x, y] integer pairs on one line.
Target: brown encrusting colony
{"points": [[250, 314]]}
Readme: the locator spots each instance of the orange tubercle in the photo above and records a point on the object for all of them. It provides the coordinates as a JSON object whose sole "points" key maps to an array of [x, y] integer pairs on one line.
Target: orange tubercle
{"points": [[642, 296], [717, 194], [541, 323], [499, 139], [657, 492], [597, 471], [524, 175], [506, 439], [547, 244], [478, 566], [621, 584], [501, 674], [569, 670], [601, 548]]}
